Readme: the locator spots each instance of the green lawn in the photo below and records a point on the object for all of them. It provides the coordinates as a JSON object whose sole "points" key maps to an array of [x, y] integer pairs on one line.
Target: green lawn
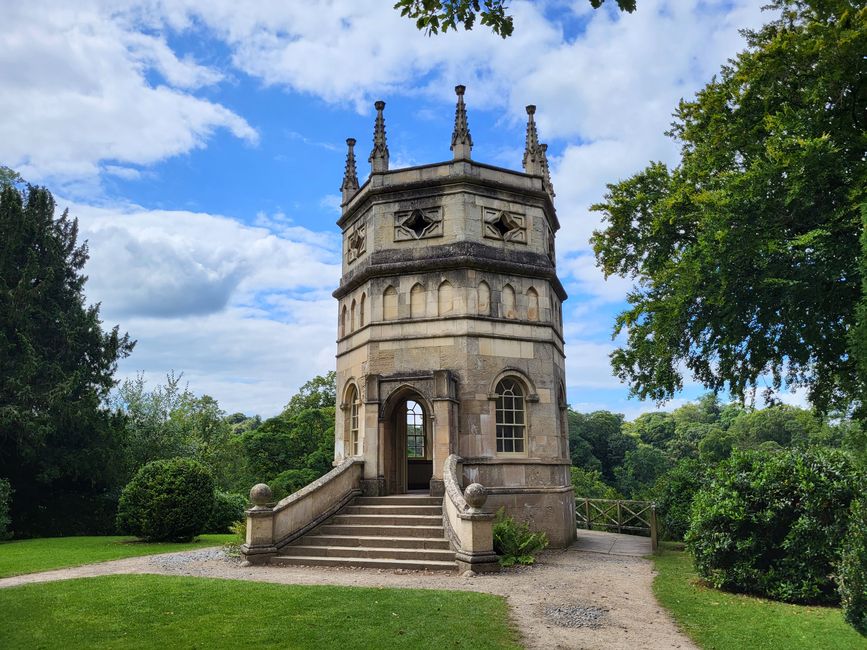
{"points": [[44, 554], [147, 611], [721, 621]]}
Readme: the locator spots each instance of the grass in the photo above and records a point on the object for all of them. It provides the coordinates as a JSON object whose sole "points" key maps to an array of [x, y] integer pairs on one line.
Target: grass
{"points": [[44, 554], [135, 611], [716, 620]]}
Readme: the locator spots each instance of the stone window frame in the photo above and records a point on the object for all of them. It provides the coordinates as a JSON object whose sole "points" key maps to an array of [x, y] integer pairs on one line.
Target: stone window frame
{"points": [[419, 419], [494, 221], [356, 240], [431, 217], [352, 435], [530, 397]]}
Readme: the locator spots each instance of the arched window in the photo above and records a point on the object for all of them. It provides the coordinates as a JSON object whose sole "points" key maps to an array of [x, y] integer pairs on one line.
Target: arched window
{"points": [[361, 310], [352, 317], [353, 440], [511, 417], [389, 303], [414, 430], [343, 322], [483, 304], [532, 304], [416, 301], [445, 298], [508, 298]]}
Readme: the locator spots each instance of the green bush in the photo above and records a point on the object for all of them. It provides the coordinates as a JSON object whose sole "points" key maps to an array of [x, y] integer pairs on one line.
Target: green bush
{"points": [[167, 500], [771, 523], [228, 509], [291, 481], [852, 571], [5, 506], [239, 530], [514, 542], [674, 493]]}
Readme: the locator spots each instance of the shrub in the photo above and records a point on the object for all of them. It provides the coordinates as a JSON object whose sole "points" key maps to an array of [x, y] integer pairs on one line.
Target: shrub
{"points": [[291, 481], [239, 529], [588, 484], [167, 500], [852, 571], [5, 506], [771, 524], [674, 493], [228, 509], [514, 542]]}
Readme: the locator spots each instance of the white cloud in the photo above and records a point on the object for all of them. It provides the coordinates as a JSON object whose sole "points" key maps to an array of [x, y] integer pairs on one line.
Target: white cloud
{"points": [[76, 93]]}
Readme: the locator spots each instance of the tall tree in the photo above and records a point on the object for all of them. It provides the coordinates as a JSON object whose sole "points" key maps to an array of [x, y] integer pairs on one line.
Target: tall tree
{"points": [[58, 442], [434, 16], [746, 255]]}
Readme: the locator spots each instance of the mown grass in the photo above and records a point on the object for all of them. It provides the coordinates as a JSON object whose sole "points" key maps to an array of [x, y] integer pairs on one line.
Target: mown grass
{"points": [[716, 620], [148, 611], [45, 554]]}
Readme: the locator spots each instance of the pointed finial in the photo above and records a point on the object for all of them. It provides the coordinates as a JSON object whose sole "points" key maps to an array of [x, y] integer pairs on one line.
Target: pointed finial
{"points": [[531, 146], [462, 141], [350, 175], [379, 156], [546, 171]]}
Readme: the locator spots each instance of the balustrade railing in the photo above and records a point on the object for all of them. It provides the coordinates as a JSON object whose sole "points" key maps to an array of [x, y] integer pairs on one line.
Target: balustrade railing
{"points": [[618, 515]]}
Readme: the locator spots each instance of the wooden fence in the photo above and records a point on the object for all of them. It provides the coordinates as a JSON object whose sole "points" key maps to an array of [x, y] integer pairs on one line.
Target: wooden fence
{"points": [[622, 516]]}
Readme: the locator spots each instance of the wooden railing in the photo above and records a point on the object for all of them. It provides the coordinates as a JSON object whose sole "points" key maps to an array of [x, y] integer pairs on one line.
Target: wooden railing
{"points": [[622, 516]]}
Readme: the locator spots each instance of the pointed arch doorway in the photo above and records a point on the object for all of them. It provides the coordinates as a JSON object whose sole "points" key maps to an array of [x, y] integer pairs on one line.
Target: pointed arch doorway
{"points": [[408, 445]]}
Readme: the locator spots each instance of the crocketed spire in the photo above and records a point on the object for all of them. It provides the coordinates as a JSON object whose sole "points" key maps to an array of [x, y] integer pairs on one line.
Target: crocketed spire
{"points": [[546, 172], [379, 156], [462, 141], [350, 175], [531, 160]]}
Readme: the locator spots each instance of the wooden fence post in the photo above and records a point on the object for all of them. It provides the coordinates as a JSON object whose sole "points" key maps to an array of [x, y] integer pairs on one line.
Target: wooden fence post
{"points": [[654, 542], [619, 515], [587, 512]]}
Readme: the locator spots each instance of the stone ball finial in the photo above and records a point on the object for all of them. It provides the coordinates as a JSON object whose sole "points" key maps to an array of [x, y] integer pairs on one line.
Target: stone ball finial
{"points": [[460, 90], [261, 495], [379, 105], [531, 109], [475, 495]]}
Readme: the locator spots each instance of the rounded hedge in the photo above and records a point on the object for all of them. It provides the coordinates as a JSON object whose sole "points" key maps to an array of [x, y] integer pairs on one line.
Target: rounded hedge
{"points": [[167, 500], [852, 572], [771, 524], [228, 509]]}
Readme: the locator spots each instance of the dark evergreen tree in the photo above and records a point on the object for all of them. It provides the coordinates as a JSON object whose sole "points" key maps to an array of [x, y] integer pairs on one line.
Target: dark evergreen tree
{"points": [[58, 442]]}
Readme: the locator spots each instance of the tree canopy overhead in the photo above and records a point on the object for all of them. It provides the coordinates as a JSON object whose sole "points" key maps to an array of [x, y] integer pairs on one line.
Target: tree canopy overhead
{"points": [[434, 16], [746, 255]]}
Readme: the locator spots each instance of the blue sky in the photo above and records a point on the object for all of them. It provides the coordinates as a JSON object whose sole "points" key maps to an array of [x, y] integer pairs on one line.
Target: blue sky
{"points": [[201, 145]]}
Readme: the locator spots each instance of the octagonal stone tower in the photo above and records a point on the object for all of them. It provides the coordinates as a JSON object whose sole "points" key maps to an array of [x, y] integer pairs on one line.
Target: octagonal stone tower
{"points": [[450, 329]]}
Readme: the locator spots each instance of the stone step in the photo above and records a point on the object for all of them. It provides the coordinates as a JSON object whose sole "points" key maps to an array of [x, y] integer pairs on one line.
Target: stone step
{"points": [[386, 520], [376, 509], [363, 562], [371, 552], [355, 541], [399, 499], [374, 530]]}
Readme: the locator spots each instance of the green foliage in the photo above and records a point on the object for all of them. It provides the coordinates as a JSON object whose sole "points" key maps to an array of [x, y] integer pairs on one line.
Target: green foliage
{"points": [[232, 548], [601, 433], [292, 480], [771, 524], [588, 484], [514, 542], [746, 256], [5, 505], [852, 571], [228, 510], [788, 426], [56, 437], [167, 500], [640, 470], [674, 493], [434, 16], [318, 393]]}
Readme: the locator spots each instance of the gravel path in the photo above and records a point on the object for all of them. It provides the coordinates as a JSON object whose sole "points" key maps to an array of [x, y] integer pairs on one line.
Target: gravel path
{"points": [[569, 599]]}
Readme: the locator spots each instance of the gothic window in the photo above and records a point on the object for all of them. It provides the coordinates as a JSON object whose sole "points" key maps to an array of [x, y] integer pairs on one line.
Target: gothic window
{"points": [[352, 317], [356, 241], [483, 305], [508, 298], [532, 304], [445, 298], [415, 447], [343, 322], [361, 310], [420, 223], [511, 417], [416, 301], [505, 226], [354, 439], [389, 303], [551, 252]]}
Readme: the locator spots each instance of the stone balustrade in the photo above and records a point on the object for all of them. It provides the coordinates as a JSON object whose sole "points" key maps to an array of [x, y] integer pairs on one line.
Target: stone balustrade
{"points": [[470, 529], [271, 527]]}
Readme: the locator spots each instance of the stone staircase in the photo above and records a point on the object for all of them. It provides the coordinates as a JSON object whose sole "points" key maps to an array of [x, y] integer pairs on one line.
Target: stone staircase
{"points": [[395, 532]]}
